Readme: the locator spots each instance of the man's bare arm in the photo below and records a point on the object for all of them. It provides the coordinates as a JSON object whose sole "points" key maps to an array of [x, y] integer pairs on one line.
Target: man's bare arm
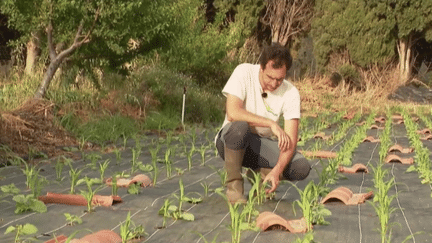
{"points": [[285, 156]]}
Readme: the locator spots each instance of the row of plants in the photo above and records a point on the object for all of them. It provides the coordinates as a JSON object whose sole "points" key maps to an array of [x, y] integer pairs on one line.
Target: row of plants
{"points": [[344, 156], [343, 128], [422, 159], [129, 231], [382, 201], [35, 182], [309, 202], [309, 128]]}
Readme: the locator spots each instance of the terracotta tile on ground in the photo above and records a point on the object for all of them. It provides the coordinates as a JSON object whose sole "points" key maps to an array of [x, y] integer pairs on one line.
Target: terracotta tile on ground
{"points": [[354, 169], [397, 158], [347, 196], [267, 219]]}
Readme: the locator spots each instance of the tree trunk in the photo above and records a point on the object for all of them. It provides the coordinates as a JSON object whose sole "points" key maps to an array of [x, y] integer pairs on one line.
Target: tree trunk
{"points": [[33, 50], [49, 74], [405, 62], [56, 60]]}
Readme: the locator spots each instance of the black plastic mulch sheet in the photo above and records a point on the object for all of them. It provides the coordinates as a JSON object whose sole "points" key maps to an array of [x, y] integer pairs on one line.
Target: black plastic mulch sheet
{"points": [[358, 223]]}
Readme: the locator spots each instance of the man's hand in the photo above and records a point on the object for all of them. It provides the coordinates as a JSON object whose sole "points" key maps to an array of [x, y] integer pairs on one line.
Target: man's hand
{"points": [[273, 178], [283, 138]]}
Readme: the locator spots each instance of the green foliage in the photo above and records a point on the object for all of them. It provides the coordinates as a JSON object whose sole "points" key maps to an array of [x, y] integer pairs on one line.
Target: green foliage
{"points": [[72, 219], [10, 189], [129, 231], [134, 188], [349, 73], [200, 46], [101, 130], [108, 37], [89, 194], [21, 230], [340, 25], [313, 211], [202, 106], [26, 203], [368, 30]]}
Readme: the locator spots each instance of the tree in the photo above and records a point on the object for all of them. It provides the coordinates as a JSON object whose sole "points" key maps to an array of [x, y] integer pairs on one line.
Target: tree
{"points": [[413, 20], [371, 31], [79, 23], [288, 18]]}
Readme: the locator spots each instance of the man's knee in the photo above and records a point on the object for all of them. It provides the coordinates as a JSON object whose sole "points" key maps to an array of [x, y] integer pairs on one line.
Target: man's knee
{"points": [[236, 134], [298, 171]]}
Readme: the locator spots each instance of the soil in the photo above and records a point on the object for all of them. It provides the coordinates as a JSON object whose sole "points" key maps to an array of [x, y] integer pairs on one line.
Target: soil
{"points": [[31, 131]]}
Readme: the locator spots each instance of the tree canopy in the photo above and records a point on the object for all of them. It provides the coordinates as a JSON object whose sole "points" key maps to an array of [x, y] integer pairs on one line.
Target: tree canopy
{"points": [[371, 31], [104, 26]]}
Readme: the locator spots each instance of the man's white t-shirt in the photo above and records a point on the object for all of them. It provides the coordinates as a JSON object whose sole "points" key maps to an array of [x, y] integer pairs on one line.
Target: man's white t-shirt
{"points": [[244, 83]]}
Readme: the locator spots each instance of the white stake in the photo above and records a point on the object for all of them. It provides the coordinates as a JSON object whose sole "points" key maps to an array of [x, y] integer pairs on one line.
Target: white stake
{"points": [[183, 108]]}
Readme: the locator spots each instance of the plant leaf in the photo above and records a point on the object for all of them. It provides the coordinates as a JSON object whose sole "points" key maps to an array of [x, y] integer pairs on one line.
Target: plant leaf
{"points": [[39, 206], [10, 229], [29, 229], [188, 216]]}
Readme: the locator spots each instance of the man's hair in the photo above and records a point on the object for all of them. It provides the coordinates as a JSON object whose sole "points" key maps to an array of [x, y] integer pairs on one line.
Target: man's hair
{"points": [[278, 54]]}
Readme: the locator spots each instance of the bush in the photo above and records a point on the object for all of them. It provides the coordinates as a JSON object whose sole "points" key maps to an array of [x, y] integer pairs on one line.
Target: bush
{"points": [[351, 76], [202, 106]]}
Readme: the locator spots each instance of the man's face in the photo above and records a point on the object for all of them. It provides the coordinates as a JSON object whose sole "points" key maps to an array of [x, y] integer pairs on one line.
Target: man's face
{"points": [[271, 78]]}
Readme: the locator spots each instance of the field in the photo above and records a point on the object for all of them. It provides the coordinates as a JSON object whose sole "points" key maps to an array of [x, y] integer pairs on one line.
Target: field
{"points": [[185, 202]]}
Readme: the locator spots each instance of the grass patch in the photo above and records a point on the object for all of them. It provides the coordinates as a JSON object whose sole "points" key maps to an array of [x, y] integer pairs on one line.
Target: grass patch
{"points": [[101, 129], [202, 106]]}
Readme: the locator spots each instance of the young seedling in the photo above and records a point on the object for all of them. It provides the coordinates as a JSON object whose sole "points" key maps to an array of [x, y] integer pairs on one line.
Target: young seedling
{"points": [[176, 212], [30, 172], [202, 151], [74, 178], [125, 139], [114, 187], [169, 138], [137, 139], [168, 162], [313, 211], [82, 142], [118, 155], [179, 171], [21, 230], [26, 203], [102, 168], [257, 193], [10, 189], [135, 154], [194, 135], [89, 194], [189, 156], [154, 153], [181, 139], [72, 219], [59, 168], [134, 188], [383, 201], [165, 211], [238, 219], [206, 188], [128, 230], [155, 174], [94, 157], [37, 183]]}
